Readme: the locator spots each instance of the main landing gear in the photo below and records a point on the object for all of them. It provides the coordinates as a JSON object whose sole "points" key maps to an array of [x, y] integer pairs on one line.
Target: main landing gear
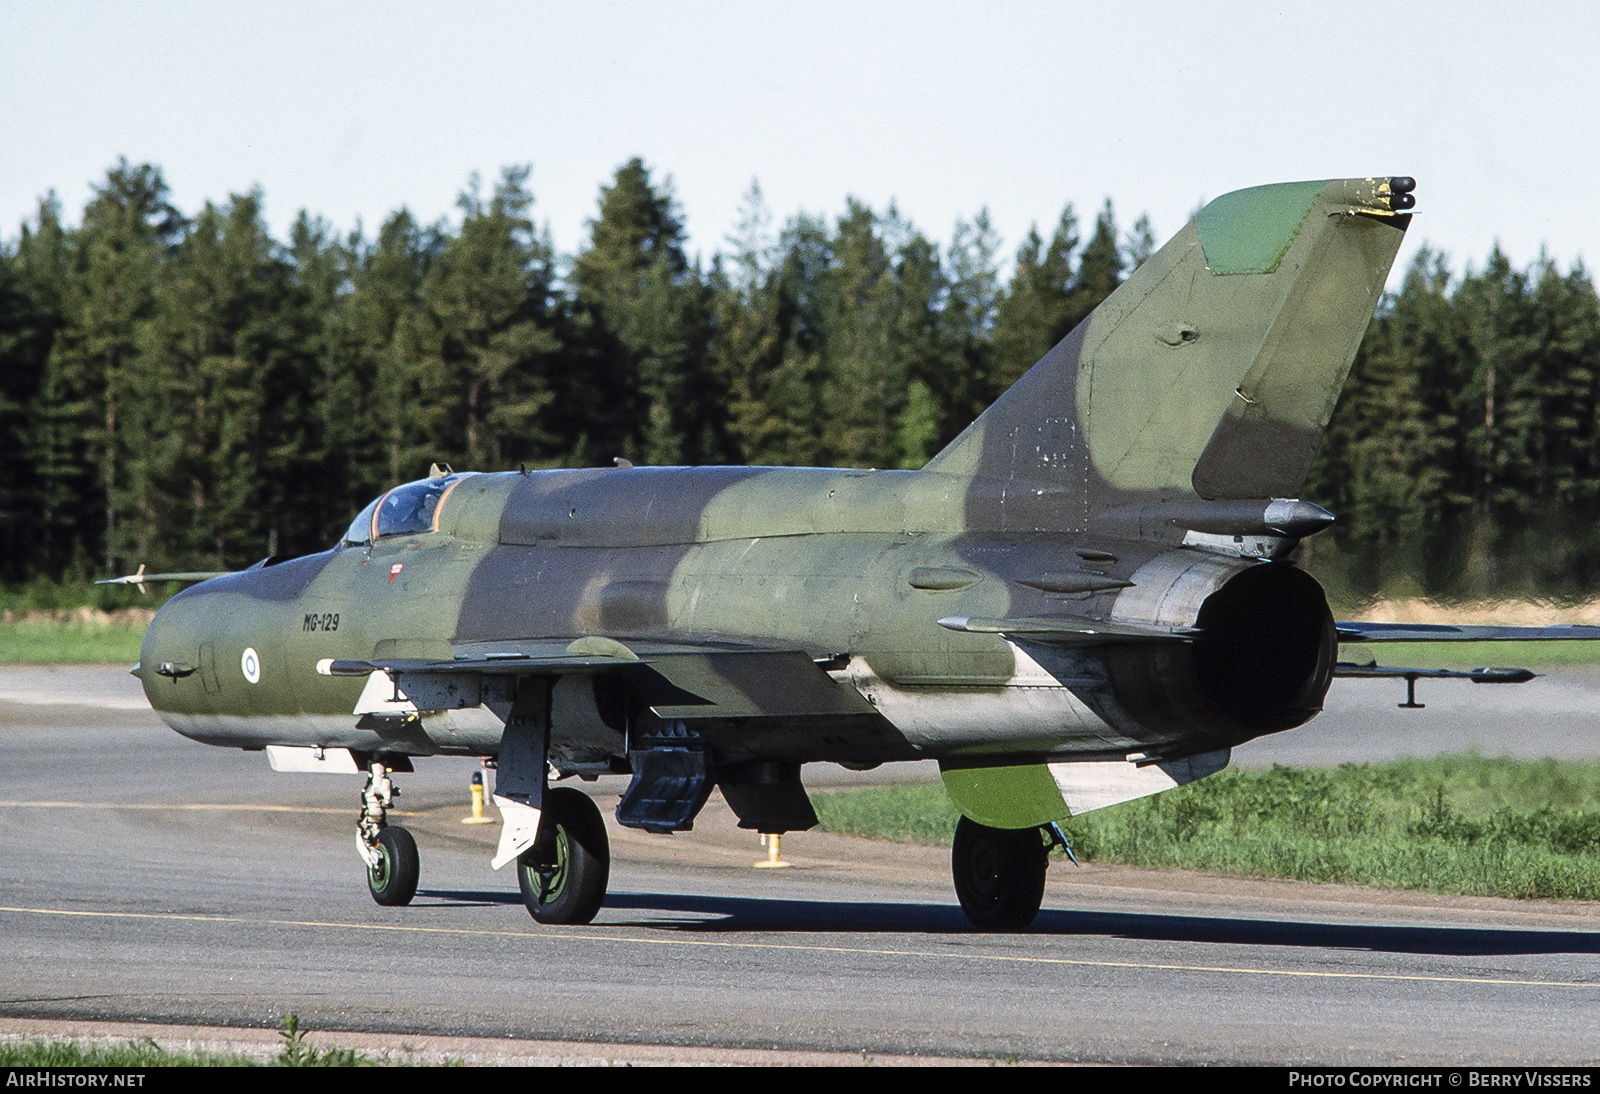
{"points": [[388, 850], [999, 874], [563, 875]]}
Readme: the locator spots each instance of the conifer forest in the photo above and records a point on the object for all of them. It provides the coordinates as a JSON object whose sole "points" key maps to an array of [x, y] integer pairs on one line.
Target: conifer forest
{"points": [[188, 392]]}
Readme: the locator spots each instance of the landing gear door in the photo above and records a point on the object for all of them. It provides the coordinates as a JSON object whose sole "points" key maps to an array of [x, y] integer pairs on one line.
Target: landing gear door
{"points": [[520, 768]]}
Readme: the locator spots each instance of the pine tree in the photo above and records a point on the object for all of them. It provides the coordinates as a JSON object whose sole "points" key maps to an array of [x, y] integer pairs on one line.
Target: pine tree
{"points": [[1033, 314], [969, 317], [928, 350], [1490, 308], [786, 428], [1139, 244], [643, 317], [128, 232], [1379, 467], [1099, 269], [339, 410], [220, 428], [917, 427], [488, 371], [748, 336], [34, 536], [864, 378], [390, 329]]}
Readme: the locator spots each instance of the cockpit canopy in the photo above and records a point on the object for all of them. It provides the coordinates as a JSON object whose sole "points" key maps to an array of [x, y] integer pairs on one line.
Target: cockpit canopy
{"points": [[406, 510]]}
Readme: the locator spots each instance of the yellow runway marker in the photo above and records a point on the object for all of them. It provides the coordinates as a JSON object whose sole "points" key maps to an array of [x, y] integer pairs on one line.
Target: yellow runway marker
{"points": [[476, 816], [769, 840], [857, 951]]}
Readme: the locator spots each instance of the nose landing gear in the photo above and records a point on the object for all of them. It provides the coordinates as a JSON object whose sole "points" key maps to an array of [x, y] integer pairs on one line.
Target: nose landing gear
{"points": [[388, 850]]}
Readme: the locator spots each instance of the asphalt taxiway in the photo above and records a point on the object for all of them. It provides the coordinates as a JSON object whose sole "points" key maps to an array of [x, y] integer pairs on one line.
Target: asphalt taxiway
{"points": [[148, 879]]}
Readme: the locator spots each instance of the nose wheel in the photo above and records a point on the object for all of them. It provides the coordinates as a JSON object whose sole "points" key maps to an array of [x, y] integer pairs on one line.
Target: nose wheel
{"points": [[563, 875], [999, 874], [388, 850], [393, 880]]}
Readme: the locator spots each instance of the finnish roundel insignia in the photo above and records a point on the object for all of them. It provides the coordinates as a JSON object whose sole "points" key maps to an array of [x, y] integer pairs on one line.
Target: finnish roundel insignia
{"points": [[250, 665]]}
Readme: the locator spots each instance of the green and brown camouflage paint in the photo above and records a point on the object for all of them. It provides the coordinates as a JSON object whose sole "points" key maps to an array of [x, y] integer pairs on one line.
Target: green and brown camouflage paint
{"points": [[799, 610]]}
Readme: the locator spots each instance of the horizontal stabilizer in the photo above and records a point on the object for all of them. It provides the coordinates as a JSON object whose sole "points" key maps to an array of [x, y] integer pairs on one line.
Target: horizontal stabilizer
{"points": [[1350, 671], [1444, 632], [1370, 671]]}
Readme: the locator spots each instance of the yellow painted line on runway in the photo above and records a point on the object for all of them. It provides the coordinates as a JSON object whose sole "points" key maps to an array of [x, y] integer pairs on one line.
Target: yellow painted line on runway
{"points": [[796, 947], [202, 806]]}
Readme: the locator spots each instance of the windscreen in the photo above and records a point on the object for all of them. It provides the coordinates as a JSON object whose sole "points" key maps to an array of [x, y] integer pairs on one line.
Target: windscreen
{"points": [[410, 509], [359, 534]]}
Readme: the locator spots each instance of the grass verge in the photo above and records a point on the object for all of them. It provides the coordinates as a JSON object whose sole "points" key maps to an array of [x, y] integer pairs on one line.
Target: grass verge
{"points": [[295, 1051], [47, 1052], [1466, 655], [69, 643], [1452, 824]]}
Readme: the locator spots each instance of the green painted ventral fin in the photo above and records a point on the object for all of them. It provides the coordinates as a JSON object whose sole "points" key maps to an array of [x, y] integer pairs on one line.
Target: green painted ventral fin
{"points": [[1023, 796], [1249, 231]]}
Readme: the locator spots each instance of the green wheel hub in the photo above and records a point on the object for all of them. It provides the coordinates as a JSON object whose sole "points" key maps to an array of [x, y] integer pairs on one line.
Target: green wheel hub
{"points": [[563, 875], [550, 880], [393, 879]]}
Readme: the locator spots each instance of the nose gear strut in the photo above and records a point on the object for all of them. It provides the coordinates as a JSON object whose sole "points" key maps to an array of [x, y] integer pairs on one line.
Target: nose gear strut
{"points": [[388, 850], [376, 799]]}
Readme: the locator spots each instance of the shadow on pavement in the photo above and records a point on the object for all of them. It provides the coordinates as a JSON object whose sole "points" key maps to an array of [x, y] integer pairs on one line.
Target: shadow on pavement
{"points": [[745, 913], [465, 898], [729, 914]]}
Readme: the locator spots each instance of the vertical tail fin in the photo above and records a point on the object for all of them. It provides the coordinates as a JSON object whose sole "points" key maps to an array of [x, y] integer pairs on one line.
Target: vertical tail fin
{"points": [[1212, 370]]}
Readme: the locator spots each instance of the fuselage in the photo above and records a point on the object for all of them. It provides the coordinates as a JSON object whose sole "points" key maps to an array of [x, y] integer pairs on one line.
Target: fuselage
{"points": [[854, 568]]}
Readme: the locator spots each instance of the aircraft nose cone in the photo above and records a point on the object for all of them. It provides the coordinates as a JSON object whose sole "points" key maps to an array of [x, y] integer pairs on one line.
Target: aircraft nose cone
{"points": [[164, 655]]}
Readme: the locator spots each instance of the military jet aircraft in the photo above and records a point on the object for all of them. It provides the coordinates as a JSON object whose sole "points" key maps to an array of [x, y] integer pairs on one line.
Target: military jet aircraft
{"points": [[1087, 597]]}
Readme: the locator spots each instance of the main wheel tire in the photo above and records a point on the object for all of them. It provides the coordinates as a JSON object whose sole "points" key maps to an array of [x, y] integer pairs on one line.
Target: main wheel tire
{"points": [[999, 874], [563, 876], [394, 880]]}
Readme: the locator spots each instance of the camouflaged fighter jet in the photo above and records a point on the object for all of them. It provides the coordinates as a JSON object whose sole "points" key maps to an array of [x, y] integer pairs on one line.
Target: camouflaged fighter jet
{"points": [[1086, 598]]}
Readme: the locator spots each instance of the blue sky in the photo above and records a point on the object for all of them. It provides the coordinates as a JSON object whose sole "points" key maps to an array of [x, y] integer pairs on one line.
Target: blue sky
{"points": [[353, 110]]}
